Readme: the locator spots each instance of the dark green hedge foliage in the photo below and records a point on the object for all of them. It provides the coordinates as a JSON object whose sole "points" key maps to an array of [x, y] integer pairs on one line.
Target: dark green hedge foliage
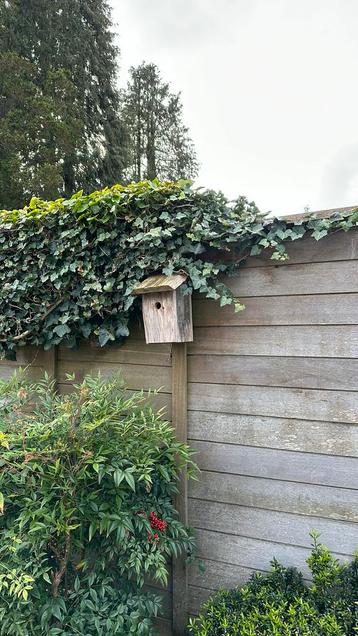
{"points": [[86, 488], [67, 267], [281, 604]]}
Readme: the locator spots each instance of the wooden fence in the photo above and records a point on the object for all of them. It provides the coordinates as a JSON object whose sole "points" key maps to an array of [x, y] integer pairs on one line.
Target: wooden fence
{"points": [[269, 399]]}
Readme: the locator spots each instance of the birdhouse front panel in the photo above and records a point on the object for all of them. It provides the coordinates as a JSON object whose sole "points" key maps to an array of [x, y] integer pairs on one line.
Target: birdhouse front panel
{"points": [[167, 317], [167, 313]]}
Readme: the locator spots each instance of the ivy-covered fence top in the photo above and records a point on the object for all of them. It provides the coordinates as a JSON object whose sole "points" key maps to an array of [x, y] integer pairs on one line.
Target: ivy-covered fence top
{"points": [[68, 267]]}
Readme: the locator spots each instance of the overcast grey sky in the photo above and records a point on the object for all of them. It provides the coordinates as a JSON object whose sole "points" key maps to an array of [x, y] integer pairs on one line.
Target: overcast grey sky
{"points": [[269, 88]]}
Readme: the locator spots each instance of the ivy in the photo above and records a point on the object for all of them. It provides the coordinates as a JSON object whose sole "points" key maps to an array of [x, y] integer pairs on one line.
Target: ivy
{"points": [[68, 267]]}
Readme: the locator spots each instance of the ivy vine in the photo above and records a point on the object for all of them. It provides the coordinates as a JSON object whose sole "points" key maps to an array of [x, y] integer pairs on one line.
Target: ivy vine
{"points": [[68, 267]]}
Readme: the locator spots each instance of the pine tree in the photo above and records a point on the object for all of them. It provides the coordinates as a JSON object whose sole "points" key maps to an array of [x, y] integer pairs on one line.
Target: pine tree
{"points": [[158, 143], [75, 141]]}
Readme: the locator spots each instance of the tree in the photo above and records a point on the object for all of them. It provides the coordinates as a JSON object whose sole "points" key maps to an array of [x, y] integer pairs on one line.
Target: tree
{"points": [[158, 144], [64, 54], [38, 131]]}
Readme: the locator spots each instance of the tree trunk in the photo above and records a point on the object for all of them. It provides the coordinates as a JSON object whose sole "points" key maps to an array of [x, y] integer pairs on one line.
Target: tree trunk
{"points": [[69, 177]]}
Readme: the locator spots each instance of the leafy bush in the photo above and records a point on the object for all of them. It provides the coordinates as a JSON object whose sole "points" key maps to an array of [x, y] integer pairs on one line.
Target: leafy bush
{"points": [[68, 267], [280, 604], [87, 482]]}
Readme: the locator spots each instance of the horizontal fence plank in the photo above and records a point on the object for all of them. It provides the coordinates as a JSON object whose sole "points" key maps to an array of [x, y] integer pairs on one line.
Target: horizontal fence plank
{"points": [[32, 372], [331, 406], [252, 553], [135, 376], [275, 432], [281, 280], [325, 470], [33, 361], [314, 373], [214, 575], [256, 492], [322, 309], [305, 341], [270, 525], [132, 351], [338, 246]]}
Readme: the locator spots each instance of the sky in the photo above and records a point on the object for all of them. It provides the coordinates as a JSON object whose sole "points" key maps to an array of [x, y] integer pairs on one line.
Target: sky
{"points": [[269, 90]]}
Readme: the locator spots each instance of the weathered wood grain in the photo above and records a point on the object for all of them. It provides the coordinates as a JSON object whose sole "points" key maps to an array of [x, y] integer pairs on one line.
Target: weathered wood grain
{"points": [[167, 317], [249, 552], [338, 246], [320, 309], [326, 470], [270, 525], [179, 421], [331, 406], [215, 575], [313, 373], [275, 432], [159, 283], [272, 494], [8, 370], [305, 341], [135, 376], [163, 627], [132, 351], [33, 361], [281, 280]]}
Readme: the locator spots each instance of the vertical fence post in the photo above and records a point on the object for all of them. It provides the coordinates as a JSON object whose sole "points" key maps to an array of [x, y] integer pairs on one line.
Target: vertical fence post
{"points": [[44, 361], [50, 362], [179, 421]]}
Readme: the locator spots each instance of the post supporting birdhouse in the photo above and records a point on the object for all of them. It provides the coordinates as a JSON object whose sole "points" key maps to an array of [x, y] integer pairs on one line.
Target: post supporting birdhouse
{"points": [[167, 312]]}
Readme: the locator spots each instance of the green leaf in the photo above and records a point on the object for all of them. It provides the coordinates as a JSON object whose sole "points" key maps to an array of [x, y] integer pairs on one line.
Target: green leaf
{"points": [[62, 330], [118, 476], [129, 479]]}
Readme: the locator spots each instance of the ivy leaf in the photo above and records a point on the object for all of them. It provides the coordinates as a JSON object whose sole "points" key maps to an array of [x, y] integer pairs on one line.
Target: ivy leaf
{"points": [[62, 330], [104, 336], [318, 234]]}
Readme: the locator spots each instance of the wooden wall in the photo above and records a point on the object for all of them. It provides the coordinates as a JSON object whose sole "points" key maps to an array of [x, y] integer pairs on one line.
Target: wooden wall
{"points": [[272, 411], [273, 414]]}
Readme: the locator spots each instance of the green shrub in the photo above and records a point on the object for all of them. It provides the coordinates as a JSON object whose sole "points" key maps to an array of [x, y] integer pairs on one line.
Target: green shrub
{"points": [[87, 482], [280, 604]]}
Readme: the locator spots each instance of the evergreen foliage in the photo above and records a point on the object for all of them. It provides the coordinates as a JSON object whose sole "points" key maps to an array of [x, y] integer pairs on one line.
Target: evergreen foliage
{"points": [[86, 488], [280, 604], [59, 124], [68, 267], [158, 144]]}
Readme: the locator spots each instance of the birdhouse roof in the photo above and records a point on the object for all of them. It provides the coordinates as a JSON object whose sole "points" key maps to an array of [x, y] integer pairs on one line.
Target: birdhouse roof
{"points": [[160, 283]]}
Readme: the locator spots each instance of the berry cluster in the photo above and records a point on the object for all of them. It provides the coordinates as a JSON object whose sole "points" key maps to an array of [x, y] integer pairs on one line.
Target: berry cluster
{"points": [[156, 523]]}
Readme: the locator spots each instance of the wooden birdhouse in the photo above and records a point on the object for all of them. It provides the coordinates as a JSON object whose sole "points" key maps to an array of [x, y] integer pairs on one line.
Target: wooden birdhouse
{"points": [[167, 314]]}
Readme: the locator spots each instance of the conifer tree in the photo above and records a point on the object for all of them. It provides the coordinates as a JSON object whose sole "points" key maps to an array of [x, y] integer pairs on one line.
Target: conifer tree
{"points": [[158, 142], [58, 99]]}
